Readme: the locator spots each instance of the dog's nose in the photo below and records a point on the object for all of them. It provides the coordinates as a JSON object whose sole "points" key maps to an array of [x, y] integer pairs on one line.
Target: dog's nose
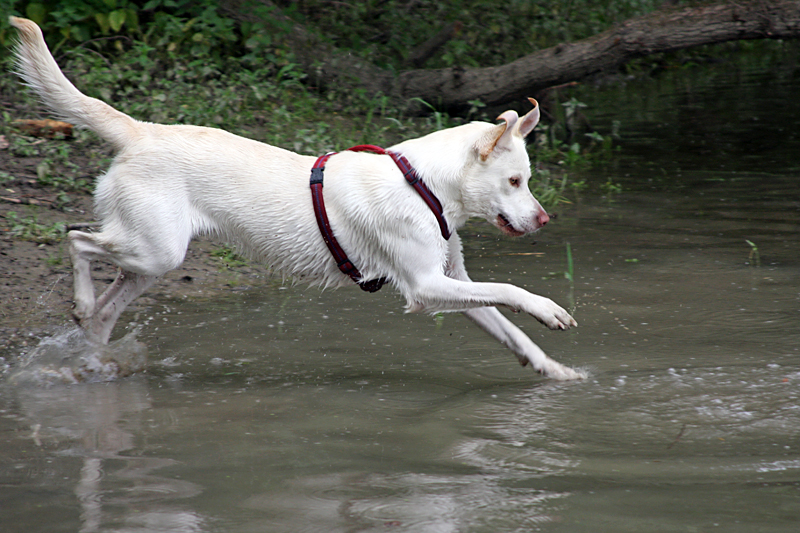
{"points": [[542, 218]]}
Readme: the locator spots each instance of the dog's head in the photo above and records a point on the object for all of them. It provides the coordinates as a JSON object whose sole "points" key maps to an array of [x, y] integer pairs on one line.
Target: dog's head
{"points": [[497, 185]]}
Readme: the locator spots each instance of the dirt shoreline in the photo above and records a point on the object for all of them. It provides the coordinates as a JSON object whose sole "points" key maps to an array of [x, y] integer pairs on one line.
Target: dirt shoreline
{"points": [[36, 286]]}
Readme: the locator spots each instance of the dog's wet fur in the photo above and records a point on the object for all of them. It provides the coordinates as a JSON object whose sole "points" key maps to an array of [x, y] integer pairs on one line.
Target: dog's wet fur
{"points": [[169, 183]]}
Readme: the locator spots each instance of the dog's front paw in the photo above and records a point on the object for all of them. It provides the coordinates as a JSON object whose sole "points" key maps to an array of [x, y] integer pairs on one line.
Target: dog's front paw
{"points": [[553, 315], [560, 372]]}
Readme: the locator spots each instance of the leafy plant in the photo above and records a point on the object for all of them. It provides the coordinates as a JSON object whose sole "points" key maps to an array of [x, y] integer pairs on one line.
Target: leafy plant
{"points": [[29, 229], [229, 257], [56, 168], [549, 190]]}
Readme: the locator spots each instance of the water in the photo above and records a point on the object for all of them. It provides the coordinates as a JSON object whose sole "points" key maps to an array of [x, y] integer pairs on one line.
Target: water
{"points": [[287, 410]]}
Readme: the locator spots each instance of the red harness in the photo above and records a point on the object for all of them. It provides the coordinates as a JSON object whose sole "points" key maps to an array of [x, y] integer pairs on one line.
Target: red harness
{"points": [[344, 264]]}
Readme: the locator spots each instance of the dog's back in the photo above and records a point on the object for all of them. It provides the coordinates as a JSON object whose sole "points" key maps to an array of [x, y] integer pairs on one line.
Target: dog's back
{"points": [[169, 183]]}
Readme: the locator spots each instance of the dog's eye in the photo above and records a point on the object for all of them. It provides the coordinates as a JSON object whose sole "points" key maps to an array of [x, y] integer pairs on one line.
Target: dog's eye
{"points": [[514, 182]]}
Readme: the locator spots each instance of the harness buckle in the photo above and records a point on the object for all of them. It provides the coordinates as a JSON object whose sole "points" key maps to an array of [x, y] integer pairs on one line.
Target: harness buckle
{"points": [[316, 175], [373, 285]]}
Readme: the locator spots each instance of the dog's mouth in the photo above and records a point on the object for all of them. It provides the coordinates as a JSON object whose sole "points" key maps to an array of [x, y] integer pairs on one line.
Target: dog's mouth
{"points": [[506, 226]]}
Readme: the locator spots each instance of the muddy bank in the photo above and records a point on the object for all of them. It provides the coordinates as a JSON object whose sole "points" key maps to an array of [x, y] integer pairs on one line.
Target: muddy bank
{"points": [[36, 279]]}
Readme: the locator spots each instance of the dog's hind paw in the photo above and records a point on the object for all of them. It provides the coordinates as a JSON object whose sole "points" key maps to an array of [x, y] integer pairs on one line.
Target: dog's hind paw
{"points": [[82, 311]]}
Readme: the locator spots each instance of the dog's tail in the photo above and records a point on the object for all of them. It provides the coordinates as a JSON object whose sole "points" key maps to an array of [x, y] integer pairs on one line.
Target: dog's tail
{"points": [[36, 66]]}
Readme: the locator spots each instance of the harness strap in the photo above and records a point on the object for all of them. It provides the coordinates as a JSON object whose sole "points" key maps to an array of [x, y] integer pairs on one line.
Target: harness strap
{"points": [[414, 180], [344, 264], [339, 255]]}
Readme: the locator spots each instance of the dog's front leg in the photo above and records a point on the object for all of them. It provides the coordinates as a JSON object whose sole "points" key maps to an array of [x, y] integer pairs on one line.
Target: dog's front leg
{"points": [[440, 293], [490, 320], [457, 292]]}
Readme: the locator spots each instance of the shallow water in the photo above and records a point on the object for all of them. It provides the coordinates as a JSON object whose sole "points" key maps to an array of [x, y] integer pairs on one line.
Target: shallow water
{"points": [[283, 409]]}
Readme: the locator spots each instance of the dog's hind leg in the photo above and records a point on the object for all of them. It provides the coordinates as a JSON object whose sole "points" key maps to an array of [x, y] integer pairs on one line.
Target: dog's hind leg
{"points": [[83, 249], [127, 287], [111, 291], [98, 316]]}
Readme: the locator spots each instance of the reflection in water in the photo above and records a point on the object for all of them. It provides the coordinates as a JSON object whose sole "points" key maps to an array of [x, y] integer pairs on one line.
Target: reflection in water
{"points": [[406, 501], [299, 411], [404, 464], [98, 422]]}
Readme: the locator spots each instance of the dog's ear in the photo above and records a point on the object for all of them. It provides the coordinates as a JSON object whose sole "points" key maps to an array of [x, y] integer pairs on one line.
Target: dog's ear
{"points": [[529, 121], [499, 135]]}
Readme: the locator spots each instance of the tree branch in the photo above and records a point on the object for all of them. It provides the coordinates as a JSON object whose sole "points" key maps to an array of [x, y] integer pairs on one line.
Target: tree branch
{"points": [[451, 88], [663, 31], [426, 50]]}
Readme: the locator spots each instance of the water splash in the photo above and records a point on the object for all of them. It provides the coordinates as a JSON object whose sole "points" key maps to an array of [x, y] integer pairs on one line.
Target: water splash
{"points": [[69, 357]]}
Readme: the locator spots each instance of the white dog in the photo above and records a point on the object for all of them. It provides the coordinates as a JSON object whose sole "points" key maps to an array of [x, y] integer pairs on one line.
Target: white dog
{"points": [[170, 183]]}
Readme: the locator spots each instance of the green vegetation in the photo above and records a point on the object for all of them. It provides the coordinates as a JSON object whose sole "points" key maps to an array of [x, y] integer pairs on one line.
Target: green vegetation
{"points": [[385, 32], [29, 229], [228, 257], [488, 33], [178, 61], [56, 167], [754, 258], [569, 274]]}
